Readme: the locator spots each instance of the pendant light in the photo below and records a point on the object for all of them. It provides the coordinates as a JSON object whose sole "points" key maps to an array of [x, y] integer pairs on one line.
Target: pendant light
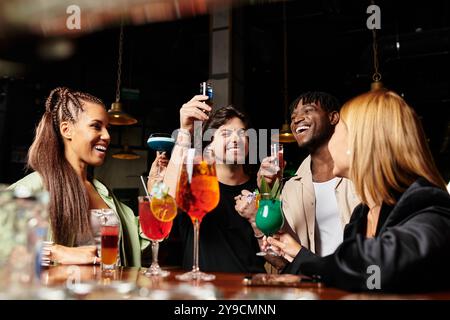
{"points": [[376, 77], [126, 154], [285, 134], [116, 116]]}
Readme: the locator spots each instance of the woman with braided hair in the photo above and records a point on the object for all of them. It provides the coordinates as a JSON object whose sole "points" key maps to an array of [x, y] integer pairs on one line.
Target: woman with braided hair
{"points": [[71, 136]]}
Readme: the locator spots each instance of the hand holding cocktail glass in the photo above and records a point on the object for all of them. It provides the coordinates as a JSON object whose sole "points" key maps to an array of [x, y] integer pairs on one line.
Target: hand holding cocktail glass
{"points": [[163, 144], [269, 169], [198, 187], [283, 245], [269, 217]]}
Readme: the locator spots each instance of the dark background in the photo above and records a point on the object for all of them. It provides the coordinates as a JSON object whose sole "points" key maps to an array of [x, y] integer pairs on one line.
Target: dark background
{"points": [[329, 49]]}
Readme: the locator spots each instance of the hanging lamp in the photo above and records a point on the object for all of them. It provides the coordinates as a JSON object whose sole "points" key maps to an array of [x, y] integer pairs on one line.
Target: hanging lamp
{"points": [[126, 154], [116, 114], [285, 134], [376, 76]]}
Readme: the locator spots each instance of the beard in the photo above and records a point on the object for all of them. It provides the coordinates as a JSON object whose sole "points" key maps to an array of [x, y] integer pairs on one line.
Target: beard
{"points": [[317, 138]]}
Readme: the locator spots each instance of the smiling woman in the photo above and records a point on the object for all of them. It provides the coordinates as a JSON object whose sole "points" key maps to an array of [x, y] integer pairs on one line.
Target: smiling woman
{"points": [[71, 136], [87, 140], [399, 232]]}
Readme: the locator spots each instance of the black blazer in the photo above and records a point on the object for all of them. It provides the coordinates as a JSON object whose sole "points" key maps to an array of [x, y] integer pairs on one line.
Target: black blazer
{"points": [[411, 246]]}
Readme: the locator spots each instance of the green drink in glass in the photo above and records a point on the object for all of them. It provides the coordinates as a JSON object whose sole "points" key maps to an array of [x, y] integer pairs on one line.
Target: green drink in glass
{"points": [[269, 218]]}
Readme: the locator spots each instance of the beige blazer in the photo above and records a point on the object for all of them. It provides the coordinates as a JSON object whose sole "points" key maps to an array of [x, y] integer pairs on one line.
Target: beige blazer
{"points": [[299, 204]]}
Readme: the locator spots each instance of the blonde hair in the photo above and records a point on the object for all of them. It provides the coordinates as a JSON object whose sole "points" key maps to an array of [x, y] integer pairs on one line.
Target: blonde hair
{"points": [[390, 150]]}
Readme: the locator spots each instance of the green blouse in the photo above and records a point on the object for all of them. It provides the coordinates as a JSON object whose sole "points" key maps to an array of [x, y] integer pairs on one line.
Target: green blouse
{"points": [[133, 241]]}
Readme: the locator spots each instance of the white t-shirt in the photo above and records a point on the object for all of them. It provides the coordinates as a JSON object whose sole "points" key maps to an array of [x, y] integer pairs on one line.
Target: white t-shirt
{"points": [[329, 230]]}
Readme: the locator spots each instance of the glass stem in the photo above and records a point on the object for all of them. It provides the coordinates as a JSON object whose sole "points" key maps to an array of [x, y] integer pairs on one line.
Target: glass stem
{"points": [[195, 267], [158, 172], [155, 249]]}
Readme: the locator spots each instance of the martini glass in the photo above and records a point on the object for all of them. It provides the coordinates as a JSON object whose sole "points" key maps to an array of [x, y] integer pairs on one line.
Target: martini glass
{"points": [[162, 142]]}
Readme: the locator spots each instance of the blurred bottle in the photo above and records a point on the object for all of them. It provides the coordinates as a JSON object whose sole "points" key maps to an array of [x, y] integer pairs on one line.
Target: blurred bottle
{"points": [[206, 89], [23, 228]]}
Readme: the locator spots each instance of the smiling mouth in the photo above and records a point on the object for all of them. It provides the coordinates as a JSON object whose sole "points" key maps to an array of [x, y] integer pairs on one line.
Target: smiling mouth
{"points": [[100, 148], [302, 129]]}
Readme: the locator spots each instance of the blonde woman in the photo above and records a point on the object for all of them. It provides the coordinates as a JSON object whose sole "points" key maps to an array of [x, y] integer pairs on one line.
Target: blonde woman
{"points": [[398, 238]]}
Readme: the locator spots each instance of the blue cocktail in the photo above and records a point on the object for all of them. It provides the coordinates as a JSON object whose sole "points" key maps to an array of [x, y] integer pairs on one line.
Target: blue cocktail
{"points": [[162, 142]]}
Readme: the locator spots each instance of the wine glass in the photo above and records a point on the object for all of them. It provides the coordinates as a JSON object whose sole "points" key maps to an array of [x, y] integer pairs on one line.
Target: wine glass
{"points": [[156, 228], [162, 142], [269, 218], [197, 194]]}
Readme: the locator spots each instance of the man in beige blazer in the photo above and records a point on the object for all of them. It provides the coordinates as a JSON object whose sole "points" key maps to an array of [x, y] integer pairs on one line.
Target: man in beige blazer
{"points": [[316, 204]]}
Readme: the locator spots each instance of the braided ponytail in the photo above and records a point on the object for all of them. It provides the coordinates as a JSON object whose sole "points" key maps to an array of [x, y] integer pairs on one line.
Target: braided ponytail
{"points": [[69, 201]]}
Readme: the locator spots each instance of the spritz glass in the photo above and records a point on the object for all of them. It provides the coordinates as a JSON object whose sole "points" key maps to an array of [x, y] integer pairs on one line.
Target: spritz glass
{"points": [[197, 194], [156, 227]]}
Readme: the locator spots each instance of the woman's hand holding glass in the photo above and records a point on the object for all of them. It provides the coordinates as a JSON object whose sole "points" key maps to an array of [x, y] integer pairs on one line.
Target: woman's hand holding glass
{"points": [[157, 170], [283, 244]]}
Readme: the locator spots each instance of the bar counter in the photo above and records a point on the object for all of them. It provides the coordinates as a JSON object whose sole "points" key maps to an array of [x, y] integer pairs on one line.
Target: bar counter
{"points": [[88, 282]]}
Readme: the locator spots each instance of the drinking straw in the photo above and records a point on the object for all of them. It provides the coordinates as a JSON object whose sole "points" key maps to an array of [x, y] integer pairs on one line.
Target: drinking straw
{"points": [[145, 187]]}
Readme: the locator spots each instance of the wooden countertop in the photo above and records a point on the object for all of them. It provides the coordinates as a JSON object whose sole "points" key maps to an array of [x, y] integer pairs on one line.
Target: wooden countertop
{"points": [[88, 282]]}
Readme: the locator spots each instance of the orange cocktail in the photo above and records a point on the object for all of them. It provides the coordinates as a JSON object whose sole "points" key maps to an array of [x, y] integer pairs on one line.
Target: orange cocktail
{"points": [[197, 194], [201, 194]]}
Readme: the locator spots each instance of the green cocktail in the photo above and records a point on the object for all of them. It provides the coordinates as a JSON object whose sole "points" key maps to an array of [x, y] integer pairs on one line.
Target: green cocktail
{"points": [[269, 218]]}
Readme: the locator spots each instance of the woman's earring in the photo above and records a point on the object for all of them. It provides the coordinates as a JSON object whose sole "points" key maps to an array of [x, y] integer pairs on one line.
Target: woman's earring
{"points": [[348, 152]]}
